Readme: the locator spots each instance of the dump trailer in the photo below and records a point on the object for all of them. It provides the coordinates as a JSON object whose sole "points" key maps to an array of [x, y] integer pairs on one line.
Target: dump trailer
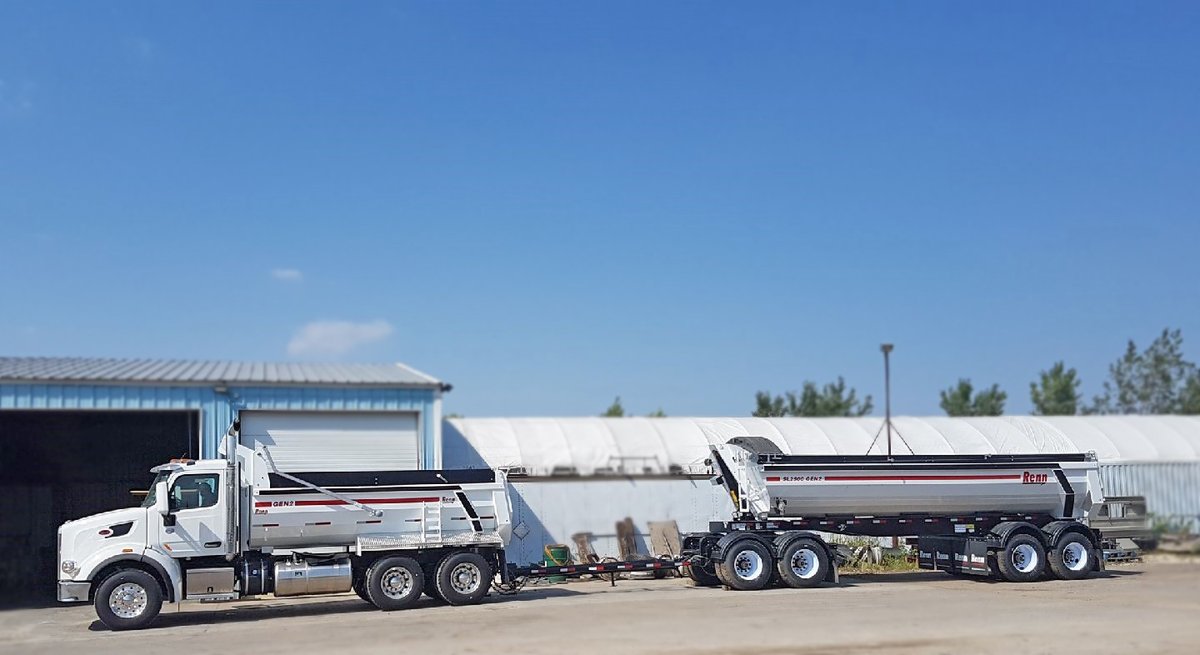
{"points": [[227, 528], [1012, 517]]}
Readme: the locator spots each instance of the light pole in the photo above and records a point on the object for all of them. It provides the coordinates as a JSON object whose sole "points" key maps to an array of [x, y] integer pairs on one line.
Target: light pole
{"points": [[887, 394]]}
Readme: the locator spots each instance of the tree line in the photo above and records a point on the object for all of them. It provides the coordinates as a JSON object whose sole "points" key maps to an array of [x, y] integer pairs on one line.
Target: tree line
{"points": [[1154, 380]]}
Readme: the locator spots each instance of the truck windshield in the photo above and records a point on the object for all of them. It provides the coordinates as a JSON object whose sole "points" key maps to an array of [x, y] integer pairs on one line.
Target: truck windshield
{"points": [[149, 501]]}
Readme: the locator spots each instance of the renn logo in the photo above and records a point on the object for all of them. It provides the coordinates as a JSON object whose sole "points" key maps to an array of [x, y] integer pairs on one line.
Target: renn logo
{"points": [[1033, 478]]}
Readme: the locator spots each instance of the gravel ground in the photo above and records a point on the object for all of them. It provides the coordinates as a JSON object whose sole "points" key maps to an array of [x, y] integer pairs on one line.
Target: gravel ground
{"points": [[1152, 607]]}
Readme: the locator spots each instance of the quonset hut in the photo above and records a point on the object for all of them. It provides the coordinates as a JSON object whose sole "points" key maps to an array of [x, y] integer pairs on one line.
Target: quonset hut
{"points": [[573, 475]]}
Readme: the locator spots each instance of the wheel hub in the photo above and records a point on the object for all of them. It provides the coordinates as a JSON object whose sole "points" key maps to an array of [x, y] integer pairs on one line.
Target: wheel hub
{"points": [[1024, 558], [128, 600], [397, 581], [804, 563], [465, 578], [747, 565], [1075, 556]]}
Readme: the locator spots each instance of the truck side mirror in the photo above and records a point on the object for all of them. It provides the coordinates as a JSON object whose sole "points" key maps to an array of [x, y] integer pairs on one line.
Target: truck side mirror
{"points": [[162, 504]]}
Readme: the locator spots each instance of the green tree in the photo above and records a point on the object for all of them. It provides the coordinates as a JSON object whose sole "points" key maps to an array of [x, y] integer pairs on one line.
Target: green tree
{"points": [[1191, 396], [1157, 380], [962, 400], [615, 410], [1057, 394], [833, 399], [658, 413]]}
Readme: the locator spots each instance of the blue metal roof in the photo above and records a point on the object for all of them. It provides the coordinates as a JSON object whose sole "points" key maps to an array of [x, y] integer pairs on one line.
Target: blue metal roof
{"points": [[180, 371]]}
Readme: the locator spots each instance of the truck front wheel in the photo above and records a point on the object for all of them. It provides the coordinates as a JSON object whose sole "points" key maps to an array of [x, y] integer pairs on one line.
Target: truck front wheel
{"points": [[128, 599]]}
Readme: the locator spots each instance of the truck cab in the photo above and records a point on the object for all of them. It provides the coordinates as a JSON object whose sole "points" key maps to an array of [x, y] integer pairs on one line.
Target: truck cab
{"points": [[187, 513]]}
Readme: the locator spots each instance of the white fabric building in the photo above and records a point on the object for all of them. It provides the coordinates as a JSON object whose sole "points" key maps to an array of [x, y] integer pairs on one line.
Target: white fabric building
{"points": [[621, 463]]}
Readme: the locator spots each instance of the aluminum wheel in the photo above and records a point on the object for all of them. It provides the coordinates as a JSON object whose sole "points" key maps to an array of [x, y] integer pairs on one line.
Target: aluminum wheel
{"points": [[1075, 556], [128, 600], [1024, 558], [465, 578], [805, 564], [397, 582], [748, 565]]}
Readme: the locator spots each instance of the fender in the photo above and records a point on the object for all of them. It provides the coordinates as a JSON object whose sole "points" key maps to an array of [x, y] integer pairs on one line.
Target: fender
{"points": [[1004, 531], [723, 544], [1054, 531], [167, 568]]}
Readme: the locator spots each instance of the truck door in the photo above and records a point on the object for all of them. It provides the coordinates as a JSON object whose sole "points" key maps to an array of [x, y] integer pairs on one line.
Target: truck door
{"points": [[200, 513]]}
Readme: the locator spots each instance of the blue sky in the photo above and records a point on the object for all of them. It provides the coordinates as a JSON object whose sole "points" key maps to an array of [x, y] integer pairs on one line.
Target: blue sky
{"points": [[550, 204]]}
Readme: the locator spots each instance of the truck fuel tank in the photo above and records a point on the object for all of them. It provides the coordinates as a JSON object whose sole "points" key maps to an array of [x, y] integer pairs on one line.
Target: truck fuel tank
{"points": [[301, 578]]}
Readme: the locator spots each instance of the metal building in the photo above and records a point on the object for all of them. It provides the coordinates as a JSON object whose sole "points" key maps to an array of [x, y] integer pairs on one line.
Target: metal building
{"points": [[77, 435], [584, 474]]}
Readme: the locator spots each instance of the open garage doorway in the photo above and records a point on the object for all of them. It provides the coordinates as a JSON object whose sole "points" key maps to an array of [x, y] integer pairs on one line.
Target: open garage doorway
{"points": [[57, 465]]}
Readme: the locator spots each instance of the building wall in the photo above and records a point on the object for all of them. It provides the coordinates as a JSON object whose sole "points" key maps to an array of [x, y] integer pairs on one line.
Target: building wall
{"points": [[217, 410], [552, 510], [1171, 489]]}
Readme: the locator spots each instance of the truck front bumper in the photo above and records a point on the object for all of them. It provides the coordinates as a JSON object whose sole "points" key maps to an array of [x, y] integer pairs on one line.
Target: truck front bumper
{"points": [[70, 591]]}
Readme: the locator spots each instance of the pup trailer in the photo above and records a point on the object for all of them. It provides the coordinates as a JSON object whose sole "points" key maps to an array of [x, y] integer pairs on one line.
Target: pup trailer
{"points": [[223, 529]]}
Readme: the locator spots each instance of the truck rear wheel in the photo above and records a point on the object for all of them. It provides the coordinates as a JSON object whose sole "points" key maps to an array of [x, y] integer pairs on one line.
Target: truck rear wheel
{"points": [[128, 599], [463, 578], [1023, 559], [359, 585], [747, 566], [395, 583], [803, 563], [1072, 557]]}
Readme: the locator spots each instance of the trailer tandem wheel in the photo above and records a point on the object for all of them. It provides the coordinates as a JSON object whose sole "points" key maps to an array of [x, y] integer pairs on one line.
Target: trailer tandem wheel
{"points": [[394, 583], [1072, 557], [1022, 559], [747, 565], [803, 563]]}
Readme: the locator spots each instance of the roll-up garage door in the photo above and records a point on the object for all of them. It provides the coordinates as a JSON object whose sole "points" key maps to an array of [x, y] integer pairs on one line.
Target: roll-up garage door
{"points": [[335, 441]]}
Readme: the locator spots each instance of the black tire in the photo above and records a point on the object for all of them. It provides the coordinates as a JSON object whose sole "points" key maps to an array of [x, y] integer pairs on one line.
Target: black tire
{"points": [[747, 566], [394, 583], [1072, 558], [359, 585], [463, 578], [431, 589], [702, 578], [803, 563], [128, 599], [1023, 559]]}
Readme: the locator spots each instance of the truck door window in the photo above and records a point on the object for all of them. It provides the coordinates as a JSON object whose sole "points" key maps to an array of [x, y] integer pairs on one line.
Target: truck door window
{"points": [[194, 491]]}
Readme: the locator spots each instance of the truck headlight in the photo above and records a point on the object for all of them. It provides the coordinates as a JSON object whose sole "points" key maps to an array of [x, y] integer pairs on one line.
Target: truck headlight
{"points": [[69, 567]]}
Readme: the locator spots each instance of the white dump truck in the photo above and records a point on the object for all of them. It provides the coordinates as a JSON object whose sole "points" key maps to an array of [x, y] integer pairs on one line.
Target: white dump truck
{"points": [[238, 526], [227, 528]]}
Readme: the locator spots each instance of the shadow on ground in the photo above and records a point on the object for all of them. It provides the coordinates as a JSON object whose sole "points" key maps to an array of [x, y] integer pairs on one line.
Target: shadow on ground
{"points": [[249, 610], [854, 580]]}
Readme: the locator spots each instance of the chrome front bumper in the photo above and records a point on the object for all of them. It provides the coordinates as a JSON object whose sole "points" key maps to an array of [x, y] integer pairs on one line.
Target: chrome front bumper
{"points": [[70, 591]]}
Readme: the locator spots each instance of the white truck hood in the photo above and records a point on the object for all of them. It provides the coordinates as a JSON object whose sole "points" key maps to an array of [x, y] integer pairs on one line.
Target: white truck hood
{"points": [[85, 543]]}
